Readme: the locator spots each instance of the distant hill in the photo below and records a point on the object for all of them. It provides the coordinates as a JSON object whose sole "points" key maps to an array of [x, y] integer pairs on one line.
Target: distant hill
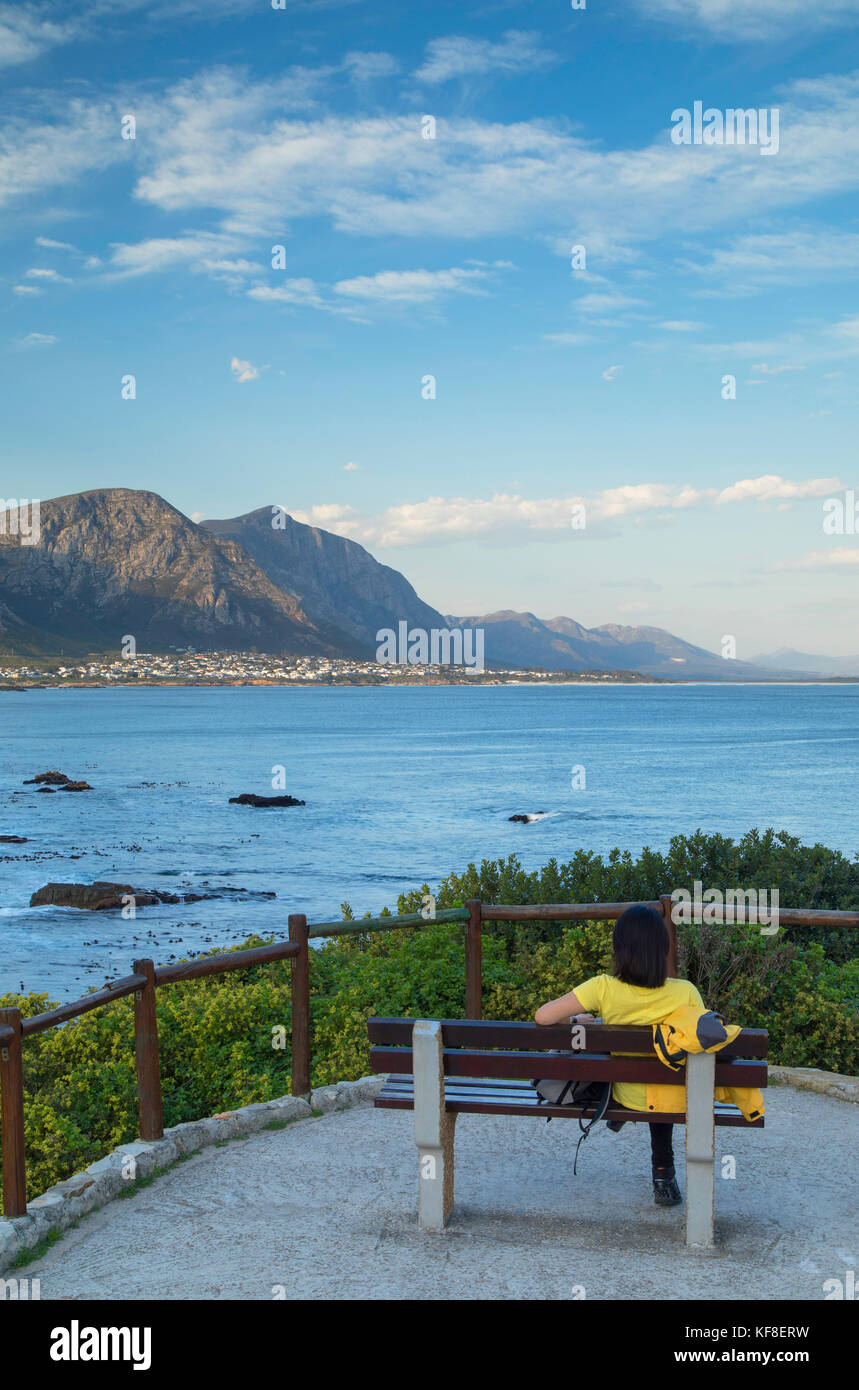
{"points": [[786, 658], [119, 561], [335, 580], [521, 639]]}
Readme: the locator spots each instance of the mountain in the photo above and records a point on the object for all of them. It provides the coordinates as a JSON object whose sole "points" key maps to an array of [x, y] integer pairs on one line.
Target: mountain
{"points": [[804, 664], [335, 580], [520, 639], [119, 561]]}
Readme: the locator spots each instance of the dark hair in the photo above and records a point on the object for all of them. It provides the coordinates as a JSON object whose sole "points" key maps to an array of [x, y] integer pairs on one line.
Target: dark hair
{"points": [[641, 945]]}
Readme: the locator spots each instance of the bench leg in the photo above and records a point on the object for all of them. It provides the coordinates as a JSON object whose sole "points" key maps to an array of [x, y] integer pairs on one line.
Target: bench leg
{"points": [[433, 1128], [700, 1147]]}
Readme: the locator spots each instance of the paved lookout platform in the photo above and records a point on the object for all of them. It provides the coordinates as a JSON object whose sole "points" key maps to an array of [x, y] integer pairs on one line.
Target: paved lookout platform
{"points": [[327, 1208]]}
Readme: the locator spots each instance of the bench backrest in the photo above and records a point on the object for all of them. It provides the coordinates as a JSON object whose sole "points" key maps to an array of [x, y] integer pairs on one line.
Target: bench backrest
{"points": [[482, 1048]]}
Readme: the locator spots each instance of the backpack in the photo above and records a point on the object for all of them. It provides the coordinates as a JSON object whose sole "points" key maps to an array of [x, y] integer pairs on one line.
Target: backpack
{"points": [[596, 1094]]}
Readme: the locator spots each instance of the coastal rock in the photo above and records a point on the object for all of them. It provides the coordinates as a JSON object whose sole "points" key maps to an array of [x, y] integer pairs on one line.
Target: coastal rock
{"points": [[51, 779], [93, 897], [528, 818], [103, 896], [251, 799], [13, 839], [76, 787]]}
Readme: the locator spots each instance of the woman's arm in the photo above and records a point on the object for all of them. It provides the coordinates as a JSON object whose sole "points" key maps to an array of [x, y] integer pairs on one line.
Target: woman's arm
{"points": [[562, 1010]]}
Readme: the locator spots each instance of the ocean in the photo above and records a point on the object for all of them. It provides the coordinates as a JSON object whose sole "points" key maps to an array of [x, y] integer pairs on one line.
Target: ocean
{"points": [[402, 785]]}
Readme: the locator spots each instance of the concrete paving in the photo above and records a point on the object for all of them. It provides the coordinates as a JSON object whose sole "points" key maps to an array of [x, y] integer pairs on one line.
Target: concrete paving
{"points": [[326, 1209]]}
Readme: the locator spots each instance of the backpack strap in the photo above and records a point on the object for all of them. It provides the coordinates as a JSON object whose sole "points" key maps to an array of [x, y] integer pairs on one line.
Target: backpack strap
{"points": [[600, 1107]]}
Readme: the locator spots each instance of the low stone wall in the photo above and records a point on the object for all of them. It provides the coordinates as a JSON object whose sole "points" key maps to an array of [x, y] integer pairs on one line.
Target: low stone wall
{"points": [[106, 1179], [826, 1083]]}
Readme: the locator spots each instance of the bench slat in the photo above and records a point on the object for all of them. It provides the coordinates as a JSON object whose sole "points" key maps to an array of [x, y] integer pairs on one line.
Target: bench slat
{"points": [[486, 1099], [582, 1066], [469, 1032]]}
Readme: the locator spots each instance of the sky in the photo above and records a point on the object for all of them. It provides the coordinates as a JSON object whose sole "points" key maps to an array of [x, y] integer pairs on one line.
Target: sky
{"points": [[445, 278]]}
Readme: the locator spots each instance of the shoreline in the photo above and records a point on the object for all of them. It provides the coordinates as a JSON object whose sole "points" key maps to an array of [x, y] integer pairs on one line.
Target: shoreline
{"points": [[650, 682]]}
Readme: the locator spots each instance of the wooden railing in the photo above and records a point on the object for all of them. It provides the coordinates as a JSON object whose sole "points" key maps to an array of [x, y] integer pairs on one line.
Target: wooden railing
{"points": [[147, 978]]}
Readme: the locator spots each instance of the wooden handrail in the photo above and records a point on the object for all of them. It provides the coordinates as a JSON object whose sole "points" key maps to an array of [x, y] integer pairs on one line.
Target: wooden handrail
{"points": [[147, 978], [406, 919], [561, 912], [116, 989], [229, 960], [142, 984]]}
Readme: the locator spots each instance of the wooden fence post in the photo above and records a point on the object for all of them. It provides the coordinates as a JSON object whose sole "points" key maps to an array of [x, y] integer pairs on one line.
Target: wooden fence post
{"points": [[474, 959], [298, 933], [146, 1053], [667, 906], [12, 1105]]}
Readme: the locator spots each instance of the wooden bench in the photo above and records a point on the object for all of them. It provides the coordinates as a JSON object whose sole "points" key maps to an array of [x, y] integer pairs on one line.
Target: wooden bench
{"points": [[441, 1069]]}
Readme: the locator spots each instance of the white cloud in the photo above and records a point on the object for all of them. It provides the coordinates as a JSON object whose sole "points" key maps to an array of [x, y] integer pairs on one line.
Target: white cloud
{"points": [[366, 67], [412, 286], [27, 31], [568, 339], [244, 371], [847, 328], [38, 273], [52, 154], [351, 467], [771, 487], [736, 21], [610, 373], [606, 303], [457, 56], [682, 326], [800, 255], [37, 340], [26, 289], [203, 251], [438, 519], [56, 245], [839, 558], [226, 146], [302, 292], [775, 371]]}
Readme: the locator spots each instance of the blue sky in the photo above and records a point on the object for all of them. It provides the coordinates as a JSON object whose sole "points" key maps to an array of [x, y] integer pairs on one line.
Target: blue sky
{"points": [[406, 257]]}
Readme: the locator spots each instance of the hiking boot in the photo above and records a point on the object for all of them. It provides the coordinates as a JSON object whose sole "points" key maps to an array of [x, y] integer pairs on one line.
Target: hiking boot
{"points": [[666, 1193]]}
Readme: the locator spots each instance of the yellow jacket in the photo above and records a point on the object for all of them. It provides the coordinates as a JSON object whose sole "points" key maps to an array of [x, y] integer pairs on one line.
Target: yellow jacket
{"points": [[689, 1029]]}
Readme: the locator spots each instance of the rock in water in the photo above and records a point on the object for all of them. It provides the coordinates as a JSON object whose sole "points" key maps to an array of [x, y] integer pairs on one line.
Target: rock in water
{"points": [[76, 787], [101, 896], [91, 896], [13, 839], [251, 799], [53, 779], [528, 817]]}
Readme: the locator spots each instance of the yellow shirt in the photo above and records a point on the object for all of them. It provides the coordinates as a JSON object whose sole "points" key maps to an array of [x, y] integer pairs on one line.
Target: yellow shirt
{"points": [[619, 1003]]}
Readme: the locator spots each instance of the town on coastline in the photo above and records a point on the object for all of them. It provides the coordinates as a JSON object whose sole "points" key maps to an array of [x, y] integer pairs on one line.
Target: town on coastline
{"points": [[188, 667]]}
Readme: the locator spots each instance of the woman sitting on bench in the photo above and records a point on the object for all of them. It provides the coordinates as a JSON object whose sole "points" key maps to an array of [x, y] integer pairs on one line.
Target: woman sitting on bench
{"points": [[636, 992]]}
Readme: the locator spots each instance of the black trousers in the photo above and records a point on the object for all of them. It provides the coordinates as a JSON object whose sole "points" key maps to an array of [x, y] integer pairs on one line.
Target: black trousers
{"points": [[661, 1146]]}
